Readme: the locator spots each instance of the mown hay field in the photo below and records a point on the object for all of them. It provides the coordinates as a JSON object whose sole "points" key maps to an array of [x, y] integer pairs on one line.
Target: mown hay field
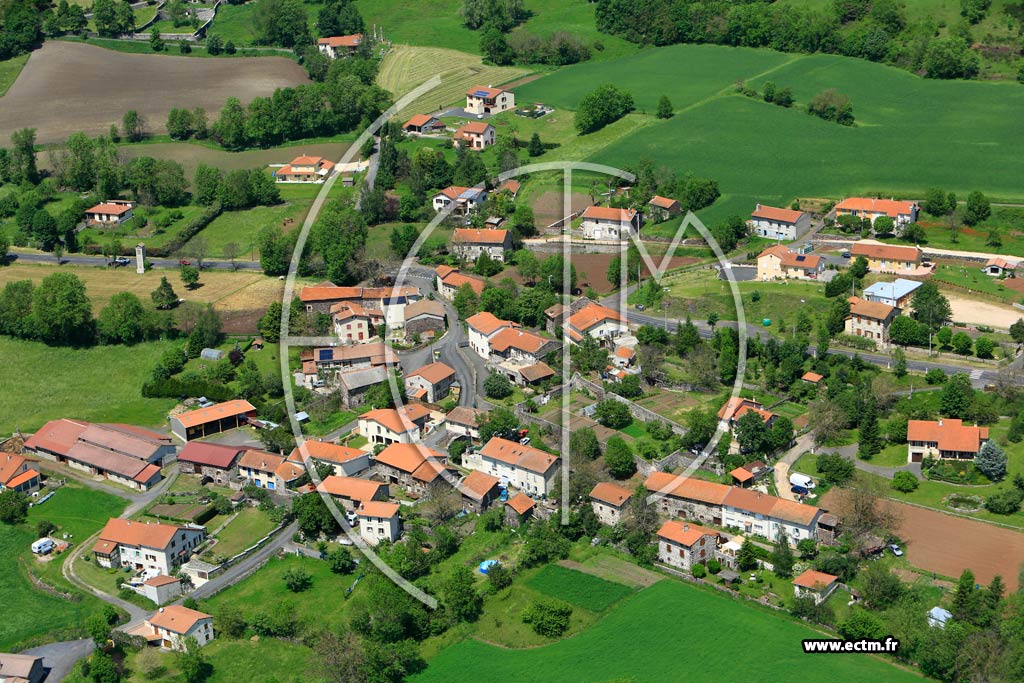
{"points": [[405, 67]]}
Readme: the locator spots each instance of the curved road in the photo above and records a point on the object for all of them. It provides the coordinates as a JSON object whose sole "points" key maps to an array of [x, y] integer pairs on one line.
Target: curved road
{"points": [[77, 260]]}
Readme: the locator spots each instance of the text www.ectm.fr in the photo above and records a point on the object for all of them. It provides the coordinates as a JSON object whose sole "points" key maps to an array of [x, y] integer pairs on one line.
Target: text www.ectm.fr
{"points": [[835, 645]]}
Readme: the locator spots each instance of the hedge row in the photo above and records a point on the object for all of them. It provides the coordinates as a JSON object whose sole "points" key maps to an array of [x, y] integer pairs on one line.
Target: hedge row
{"points": [[175, 388], [188, 232]]}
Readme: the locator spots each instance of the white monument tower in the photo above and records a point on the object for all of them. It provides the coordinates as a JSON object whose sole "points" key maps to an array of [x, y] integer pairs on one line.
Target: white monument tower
{"points": [[140, 258]]}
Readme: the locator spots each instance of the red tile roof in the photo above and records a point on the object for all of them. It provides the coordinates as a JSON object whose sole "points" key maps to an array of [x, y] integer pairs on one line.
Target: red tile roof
{"points": [[871, 309], [610, 493], [418, 121], [456, 279], [778, 215], [397, 420], [741, 475], [56, 436], [406, 457], [433, 372], [353, 40], [177, 619], [815, 580], [475, 236], [791, 259], [326, 451], [461, 415], [590, 316], [352, 488], [518, 455], [891, 252], [688, 487], [948, 434], [210, 454], [812, 377], [487, 323], [161, 580], [215, 412], [378, 508], [115, 209], [664, 202], [608, 213], [890, 207], [473, 128], [521, 503], [684, 533], [488, 91], [523, 340], [478, 484], [148, 534]]}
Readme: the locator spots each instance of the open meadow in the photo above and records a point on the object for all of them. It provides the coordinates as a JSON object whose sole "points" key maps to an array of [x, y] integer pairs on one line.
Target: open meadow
{"points": [[101, 383], [662, 634], [30, 613], [96, 86], [955, 134]]}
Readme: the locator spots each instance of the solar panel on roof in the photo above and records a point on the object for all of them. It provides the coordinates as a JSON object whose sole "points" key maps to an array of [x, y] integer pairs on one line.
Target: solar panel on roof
{"points": [[326, 354], [480, 93], [800, 257]]}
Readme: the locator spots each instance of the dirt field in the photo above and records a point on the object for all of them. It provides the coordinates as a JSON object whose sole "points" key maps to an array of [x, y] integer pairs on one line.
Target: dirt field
{"points": [[947, 545], [240, 298], [190, 155], [615, 569], [69, 87], [983, 313], [548, 207]]}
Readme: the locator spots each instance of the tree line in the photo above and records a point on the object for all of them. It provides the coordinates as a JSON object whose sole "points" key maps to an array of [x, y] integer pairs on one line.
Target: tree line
{"points": [[877, 30]]}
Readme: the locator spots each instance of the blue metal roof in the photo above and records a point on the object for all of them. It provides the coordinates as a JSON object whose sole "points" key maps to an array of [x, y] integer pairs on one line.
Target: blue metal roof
{"points": [[891, 290]]}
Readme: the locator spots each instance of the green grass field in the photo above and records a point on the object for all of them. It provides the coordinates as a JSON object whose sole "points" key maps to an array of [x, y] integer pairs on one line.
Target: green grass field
{"points": [[668, 632], [30, 613], [237, 23], [265, 590], [142, 47], [248, 527], [428, 24], [101, 383], [962, 143], [578, 589], [9, 70]]}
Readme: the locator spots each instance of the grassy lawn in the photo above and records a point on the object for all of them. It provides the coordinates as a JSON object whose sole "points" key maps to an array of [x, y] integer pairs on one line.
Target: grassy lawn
{"points": [[599, 652], [426, 24], [578, 589], [30, 613], [894, 455], [971, 279], [961, 144], [99, 384], [9, 70], [334, 421], [265, 590], [249, 526], [699, 292], [267, 659], [237, 23]]}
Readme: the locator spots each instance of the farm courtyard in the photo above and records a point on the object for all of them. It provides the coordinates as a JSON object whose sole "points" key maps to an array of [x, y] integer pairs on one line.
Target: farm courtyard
{"points": [[87, 88]]}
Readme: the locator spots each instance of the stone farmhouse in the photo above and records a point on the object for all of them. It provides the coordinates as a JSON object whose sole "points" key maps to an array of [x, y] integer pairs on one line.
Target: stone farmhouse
{"points": [[778, 224], [469, 243]]}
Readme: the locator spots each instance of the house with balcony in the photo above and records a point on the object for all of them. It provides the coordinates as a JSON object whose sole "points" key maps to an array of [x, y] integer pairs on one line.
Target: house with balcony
{"points": [[488, 100]]}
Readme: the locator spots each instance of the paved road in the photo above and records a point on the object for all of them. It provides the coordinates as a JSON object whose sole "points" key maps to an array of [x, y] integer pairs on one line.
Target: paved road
{"points": [[461, 360], [76, 260], [60, 658], [979, 377]]}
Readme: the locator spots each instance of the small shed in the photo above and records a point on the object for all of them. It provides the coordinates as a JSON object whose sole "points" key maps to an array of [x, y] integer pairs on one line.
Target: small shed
{"points": [[742, 477], [518, 509], [211, 354], [162, 589]]}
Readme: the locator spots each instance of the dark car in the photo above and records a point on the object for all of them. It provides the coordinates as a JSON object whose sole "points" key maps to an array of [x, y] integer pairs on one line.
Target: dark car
{"points": [[846, 254], [800, 490]]}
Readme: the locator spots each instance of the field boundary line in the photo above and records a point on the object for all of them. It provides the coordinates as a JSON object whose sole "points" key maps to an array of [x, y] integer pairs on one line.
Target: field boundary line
{"points": [[728, 90], [961, 515]]}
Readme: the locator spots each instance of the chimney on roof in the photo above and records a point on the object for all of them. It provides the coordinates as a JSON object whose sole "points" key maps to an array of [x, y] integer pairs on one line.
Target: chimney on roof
{"points": [[940, 421], [161, 609], [686, 527]]}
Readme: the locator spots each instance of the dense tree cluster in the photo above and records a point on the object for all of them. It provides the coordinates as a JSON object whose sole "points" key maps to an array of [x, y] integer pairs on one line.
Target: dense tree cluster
{"points": [[557, 49], [878, 31], [604, 105]]}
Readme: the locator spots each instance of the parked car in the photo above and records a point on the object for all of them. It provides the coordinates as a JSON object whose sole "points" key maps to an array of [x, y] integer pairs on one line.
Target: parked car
{"points": [[896, 550], [463, 344], [846, 254], [800, 490], [122, 260], [525, 441], [184, 262], [640, 307]]}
